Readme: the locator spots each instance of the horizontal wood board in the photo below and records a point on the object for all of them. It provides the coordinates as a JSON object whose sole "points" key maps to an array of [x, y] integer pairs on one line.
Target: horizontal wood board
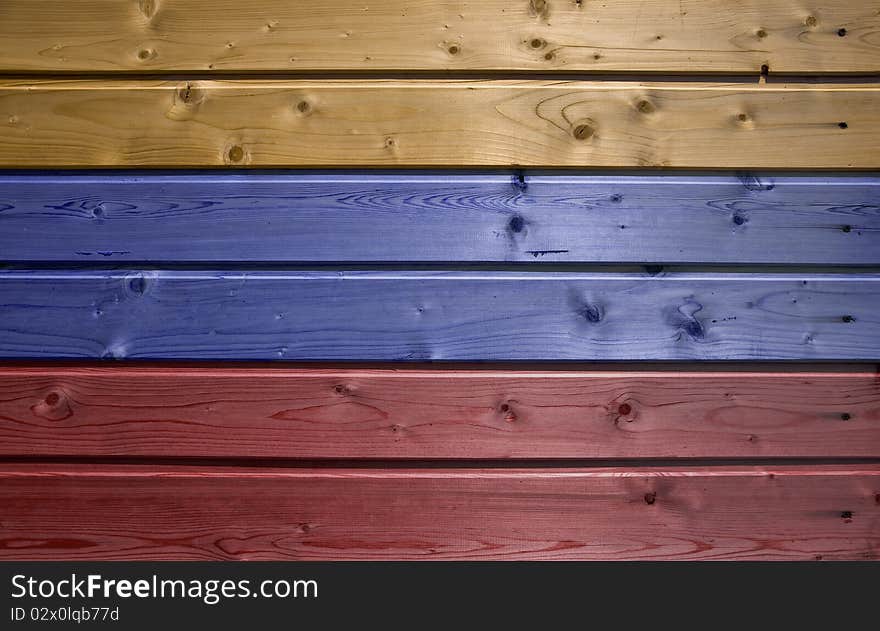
{"points": [[69, 512], [150, 36], [230, 411], [413, 316], [449, 123], [422, 217]]}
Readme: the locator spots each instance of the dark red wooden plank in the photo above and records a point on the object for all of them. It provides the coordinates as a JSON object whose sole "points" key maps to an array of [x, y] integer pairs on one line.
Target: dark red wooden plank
{"points": [[119, 512], [269, 412]]}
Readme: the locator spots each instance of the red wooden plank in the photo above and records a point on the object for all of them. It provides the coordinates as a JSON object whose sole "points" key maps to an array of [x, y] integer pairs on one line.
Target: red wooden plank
{"points": [[272, 412], [128, 512]]}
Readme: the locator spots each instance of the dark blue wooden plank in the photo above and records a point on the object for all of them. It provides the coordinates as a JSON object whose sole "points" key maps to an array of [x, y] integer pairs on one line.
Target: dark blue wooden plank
{"points": [[404, 217], [437, 316]]}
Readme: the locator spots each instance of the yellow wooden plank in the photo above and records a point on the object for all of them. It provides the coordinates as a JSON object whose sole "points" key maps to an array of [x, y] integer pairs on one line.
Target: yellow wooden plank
{"points": [[442, 123], [573, 35]]}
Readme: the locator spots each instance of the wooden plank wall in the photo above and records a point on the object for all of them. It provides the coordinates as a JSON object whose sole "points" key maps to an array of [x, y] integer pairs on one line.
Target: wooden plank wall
{"points": [[498, 316], [441, 123], [460, 413], [158, 512], [59, 36], [397, 434], [747, 218]]}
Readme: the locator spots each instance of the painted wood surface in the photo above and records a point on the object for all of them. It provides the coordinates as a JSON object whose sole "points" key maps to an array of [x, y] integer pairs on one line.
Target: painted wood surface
{"points": [[230, 411], [544, 35], [91, 123], [66, 512], [412, 316], [405, 217]]}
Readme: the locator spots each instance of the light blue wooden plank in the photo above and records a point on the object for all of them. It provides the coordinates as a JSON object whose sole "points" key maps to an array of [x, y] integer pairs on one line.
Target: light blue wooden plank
{"points": [[457, 217], [409, 316]]}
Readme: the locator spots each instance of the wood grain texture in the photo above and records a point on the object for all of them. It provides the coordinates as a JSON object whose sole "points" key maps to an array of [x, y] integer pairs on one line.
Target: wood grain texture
{"points": [[66, 512], [228, 411], [86, 123], [546, 35], [412, 316], [418, 217]]}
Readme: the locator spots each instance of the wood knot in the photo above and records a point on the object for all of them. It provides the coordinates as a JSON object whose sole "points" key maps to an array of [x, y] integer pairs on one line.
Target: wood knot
{"points": [[841, 32], [846, 516], [745, 121], [454, 49], [684, 318], [591, 313], [138, 285], [516, 224], [539, 8], [848, 319], [761, 33], [188, 94], [845, 416], [624, 409], [235, 153], [303, 107], [583, 131], [509, 414], [147, 8], [811, 21], [54, 407], [145, 54], [843, 125], [650, 498], [645, 106], [341, 389], [537, 43]]}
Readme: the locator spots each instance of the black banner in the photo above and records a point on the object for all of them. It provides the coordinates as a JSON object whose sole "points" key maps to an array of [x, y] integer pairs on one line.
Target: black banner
{"points": [[144, 595]]}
